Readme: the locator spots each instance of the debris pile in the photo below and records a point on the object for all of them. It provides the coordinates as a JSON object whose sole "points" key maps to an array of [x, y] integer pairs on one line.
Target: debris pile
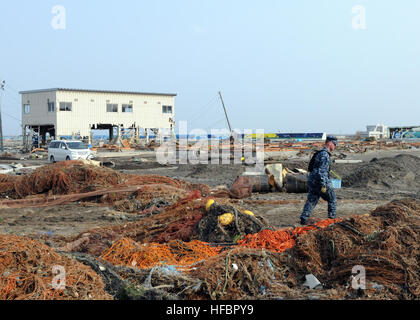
{"points": [[186, 220], [145, 256], [385, 243], [243, 273], [26, 272], [76, 180], [191, 242], [60, 178], [158, 283], [265, 264]]}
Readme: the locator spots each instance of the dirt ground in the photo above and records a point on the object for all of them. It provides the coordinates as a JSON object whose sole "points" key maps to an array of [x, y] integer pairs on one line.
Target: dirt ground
{"points": [[71, 220], [64, 220]]}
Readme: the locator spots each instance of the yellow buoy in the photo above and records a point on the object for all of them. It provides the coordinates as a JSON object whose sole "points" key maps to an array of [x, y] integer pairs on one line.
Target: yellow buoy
{"points": [[226, 219], [250, 213], [209, 204]]}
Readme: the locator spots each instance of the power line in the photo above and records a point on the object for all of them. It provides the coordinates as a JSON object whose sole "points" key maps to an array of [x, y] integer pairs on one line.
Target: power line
{"points": [[11, 92], [17, 101], [203, 115], [206, 108], [13, 117], [14, 100], [217, 122]]}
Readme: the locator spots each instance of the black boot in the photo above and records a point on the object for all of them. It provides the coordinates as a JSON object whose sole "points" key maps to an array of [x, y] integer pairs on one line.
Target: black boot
{"points": [[303, 222]]}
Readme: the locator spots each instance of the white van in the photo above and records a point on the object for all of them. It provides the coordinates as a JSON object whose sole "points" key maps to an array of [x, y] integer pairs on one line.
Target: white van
{"points": [[63, 150]]}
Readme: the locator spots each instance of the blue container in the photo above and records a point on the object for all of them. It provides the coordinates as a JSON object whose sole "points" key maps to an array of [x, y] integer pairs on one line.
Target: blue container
{"points": [[336, 183]]}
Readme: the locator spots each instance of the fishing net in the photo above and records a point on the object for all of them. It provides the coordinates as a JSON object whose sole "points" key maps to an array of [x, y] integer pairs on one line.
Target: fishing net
{"points": [[6, 184], [144, 256], [75, 178], [281, 240], [243, 273], [176, 222], [63, 178], [157, 283], [385, 243], [26, 273], [211, 230]]}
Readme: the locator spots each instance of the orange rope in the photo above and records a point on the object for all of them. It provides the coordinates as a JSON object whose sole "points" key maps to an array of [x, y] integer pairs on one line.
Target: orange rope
{"points": [[145, 256], [282, 239]]}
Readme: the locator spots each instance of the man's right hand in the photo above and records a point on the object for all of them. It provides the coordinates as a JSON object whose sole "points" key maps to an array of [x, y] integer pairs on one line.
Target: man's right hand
{"points": [[324, 189]]}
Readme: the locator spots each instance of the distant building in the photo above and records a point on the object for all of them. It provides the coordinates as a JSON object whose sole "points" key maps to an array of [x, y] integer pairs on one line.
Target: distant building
{"points": [[64, 112], [378, 131]]}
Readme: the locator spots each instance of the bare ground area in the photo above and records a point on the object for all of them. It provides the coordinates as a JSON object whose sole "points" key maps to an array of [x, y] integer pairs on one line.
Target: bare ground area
{"points": [[64, 220]]}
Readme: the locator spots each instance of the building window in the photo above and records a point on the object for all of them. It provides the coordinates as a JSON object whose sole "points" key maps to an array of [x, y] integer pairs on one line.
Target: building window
{"points": [[26, 108], [111, 107], [166, 109], [127, 108], [51, 106], [65, 106]]}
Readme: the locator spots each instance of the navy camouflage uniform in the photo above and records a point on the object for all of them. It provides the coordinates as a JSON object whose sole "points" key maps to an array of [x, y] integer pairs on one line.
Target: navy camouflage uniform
{"points": [[317, 179]]}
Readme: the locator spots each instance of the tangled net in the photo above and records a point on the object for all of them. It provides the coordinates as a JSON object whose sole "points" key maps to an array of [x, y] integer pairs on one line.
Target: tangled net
{"points": [[61, 178], [243, 273], [26, 273], [144, 256], [6, 184], [176, 222], [77, 178], [281, 240], [385, 243]]}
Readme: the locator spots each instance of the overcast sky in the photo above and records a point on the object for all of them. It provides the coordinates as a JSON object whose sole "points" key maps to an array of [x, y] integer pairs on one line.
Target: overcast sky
{"points": [[293, 66]]}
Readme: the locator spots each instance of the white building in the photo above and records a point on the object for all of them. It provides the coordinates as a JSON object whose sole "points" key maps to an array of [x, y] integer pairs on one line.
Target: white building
{"points": [[378, 131], [62, 112]]}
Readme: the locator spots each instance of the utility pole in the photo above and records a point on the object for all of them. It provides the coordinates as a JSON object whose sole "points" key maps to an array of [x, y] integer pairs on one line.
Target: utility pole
{"points": [[224, 108], [2, 84]]}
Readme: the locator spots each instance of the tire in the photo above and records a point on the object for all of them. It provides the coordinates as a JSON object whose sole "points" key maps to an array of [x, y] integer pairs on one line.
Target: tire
{"points": [[67, 158], [52, 160]]}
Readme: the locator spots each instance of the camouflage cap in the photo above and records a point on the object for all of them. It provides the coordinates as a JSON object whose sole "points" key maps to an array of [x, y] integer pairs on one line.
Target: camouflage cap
{"points": [[332, 139]]}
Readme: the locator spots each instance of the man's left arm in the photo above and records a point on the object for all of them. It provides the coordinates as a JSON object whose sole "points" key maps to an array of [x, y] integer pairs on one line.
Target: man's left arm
{"points": [[324, 168]]}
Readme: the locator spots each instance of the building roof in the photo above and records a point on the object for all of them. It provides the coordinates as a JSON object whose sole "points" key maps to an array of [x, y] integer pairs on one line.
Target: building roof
{"points": [[99, 91]]}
